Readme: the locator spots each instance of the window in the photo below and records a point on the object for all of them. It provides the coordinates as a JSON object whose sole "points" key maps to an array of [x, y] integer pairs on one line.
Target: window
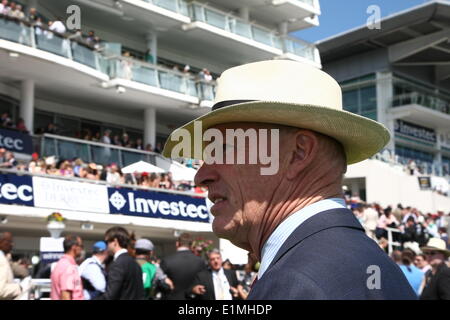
{"points": [[362, 101]]}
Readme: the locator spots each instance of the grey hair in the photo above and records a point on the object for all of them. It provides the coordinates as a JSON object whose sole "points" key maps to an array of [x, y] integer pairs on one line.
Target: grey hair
{"points": [[215, 250]]}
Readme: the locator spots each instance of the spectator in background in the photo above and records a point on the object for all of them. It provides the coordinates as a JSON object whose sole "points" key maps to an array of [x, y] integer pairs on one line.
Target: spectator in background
{"points": [[444, 236], [32, 16], [51, 128], [144, 249], [90, 39], [116, 140], [66, 280], [92, 172], [420, 261], [17, 12], [6, 120], [58, 26], [370, 220], [437, 282], [158, 148], [2, 155], [4, 8], [76, 36], [92, 271], [106, 137], [181, 267], [413, 274], [139, 144], [10, 161], [124, 275], [216, 283], [148, 147], [126, 141], [113, 175], [385, 221], [8, 288], [431, 227], [20, 125]]}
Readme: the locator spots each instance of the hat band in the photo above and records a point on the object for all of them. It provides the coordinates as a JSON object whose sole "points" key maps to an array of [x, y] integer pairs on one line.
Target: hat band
{"points": [[228, 103]]}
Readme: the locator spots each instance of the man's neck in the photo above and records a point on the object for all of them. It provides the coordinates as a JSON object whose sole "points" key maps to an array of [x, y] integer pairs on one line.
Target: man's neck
{"points": [[282, 211]]}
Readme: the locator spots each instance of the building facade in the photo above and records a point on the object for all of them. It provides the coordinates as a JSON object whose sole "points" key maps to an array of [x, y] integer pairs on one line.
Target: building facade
{"points": [[140, 67], [399, 75]]}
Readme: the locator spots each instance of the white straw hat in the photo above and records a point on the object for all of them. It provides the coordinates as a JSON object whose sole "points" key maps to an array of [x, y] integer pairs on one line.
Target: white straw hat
{"points": [[292, 94], [436, 244]]}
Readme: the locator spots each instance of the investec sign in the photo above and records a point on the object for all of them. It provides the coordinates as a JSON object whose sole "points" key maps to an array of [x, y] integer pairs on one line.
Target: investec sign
{"points": [[77, 196], [157, 205]]}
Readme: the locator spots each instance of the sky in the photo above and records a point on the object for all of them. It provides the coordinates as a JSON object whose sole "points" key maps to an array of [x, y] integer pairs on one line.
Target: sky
{"points": [[341, 15]]}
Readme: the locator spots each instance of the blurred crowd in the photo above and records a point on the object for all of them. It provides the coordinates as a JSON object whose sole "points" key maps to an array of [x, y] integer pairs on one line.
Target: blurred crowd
{"points": [[121, 267], [111, 174], [417, 241]]}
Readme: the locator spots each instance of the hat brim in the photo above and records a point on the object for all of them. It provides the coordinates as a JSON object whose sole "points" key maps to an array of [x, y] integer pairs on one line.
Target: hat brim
{"points": [[445, 252], [361, 137]]}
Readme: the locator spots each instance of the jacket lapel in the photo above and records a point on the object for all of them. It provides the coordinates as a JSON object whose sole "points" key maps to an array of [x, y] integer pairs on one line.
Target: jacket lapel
{"points": [[321, 221]]}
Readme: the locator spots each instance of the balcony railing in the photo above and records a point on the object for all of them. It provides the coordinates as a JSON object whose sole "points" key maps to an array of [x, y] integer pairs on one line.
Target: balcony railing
{"points": [[300, 48], [427, 100], [44, 39], [89, 151], [152, 75], [230, 23], [121, 67], [177, 6], [235, 25]]}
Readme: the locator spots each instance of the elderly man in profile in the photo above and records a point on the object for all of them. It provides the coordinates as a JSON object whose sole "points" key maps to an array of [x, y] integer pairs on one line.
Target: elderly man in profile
{"points": [[293, 219]]}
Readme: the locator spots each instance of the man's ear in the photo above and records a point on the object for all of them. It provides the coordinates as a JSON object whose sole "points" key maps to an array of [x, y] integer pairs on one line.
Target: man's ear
{"points": [[304, 151]]}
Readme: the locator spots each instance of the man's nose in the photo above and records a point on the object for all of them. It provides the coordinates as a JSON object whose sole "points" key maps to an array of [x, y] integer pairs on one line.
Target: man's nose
{"points": [[206, 175]]}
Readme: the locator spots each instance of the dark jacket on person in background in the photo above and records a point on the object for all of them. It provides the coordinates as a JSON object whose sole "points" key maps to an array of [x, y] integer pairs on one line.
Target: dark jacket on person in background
{"points": [[437, 286], [124, 280]]}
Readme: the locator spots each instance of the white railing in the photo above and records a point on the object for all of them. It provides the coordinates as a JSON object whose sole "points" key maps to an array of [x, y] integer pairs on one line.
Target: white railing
{"points": [[390, 239]]}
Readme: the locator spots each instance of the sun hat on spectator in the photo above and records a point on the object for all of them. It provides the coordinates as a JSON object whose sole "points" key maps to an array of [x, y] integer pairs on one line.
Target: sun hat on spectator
{"points": [[436, 244]]}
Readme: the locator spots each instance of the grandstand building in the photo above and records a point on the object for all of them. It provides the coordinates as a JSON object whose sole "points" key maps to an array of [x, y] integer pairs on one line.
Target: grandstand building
{"points": [[399, 75], [148, 67]]}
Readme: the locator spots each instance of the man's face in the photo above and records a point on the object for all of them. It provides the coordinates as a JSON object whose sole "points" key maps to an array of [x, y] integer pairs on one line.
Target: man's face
{"points": [[434, 258], [420, 262], [240, 192], [6, 244], [215, 261]]}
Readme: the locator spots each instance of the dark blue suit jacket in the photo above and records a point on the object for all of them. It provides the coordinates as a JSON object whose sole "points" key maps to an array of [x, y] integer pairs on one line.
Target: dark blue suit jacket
{"points": [[329, 257]]}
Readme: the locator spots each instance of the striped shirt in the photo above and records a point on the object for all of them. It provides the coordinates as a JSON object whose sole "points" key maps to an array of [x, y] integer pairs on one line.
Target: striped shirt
{"points": [[285, 229]]}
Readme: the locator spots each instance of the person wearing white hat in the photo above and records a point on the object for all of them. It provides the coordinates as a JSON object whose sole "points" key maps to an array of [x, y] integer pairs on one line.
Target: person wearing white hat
{"points": [[437, 280], [288, 208]]}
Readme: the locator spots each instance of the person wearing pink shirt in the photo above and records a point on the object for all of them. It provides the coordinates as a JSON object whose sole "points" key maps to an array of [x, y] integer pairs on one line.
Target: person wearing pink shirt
{"points": [[65, 278]]}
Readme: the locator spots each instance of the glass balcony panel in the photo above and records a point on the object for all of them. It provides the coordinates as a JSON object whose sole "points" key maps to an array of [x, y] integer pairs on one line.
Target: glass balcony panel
{"points": [[197, 13], [262, 36], [206, 91], [49, 147], [171, 82], [104, 155], [183, 7], [166, 4], [73, 150], [191, 88], [216, 19], [48, 41], [84, 55], [145, 75], [132, 157], [241, 28], [15, 31]]}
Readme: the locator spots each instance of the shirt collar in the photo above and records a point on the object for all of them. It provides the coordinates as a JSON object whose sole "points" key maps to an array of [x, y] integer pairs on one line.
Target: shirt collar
{"points": [[285, 229], [118, 253]]}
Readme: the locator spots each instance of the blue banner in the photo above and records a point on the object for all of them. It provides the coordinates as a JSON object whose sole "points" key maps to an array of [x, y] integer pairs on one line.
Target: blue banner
{"points": [[152, 204], [16, 190], [16, 141]]}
